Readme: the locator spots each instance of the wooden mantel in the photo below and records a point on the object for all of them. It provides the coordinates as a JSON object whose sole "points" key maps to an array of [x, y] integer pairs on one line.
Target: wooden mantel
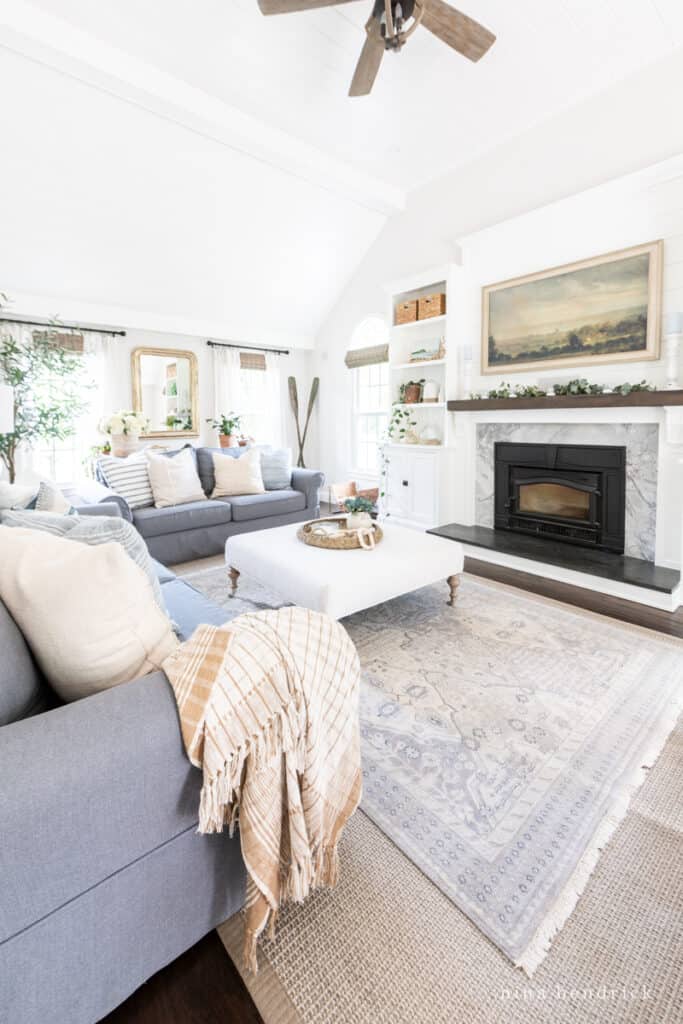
{"points": [[636, 398]]}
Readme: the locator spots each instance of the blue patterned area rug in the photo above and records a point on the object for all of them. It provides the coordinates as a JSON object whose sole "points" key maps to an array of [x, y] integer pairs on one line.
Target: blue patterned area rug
{"points": [[502, 742], [503, 739]]}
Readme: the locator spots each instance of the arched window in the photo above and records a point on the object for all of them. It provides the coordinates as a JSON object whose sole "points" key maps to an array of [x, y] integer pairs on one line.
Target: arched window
{"points": [[370, 332], [368, 359]]}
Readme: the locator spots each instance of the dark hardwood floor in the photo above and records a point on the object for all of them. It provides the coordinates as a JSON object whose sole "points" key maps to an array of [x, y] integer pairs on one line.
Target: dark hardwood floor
{"points": [[616, 607], [203, 986]]}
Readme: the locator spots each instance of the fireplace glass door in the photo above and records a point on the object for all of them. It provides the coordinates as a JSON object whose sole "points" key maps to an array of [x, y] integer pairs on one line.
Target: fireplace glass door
{"points": [[554, 499]]}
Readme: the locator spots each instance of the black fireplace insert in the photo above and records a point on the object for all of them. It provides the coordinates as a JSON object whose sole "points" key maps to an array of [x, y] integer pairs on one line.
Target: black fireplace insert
{"points": [[568, 492]]}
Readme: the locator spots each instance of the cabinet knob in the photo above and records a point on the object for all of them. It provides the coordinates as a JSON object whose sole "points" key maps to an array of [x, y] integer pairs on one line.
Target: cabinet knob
{"points": [[404, 482]]}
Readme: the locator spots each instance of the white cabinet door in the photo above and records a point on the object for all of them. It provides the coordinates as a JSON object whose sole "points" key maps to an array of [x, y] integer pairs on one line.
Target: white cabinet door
{"points": [[425, 489], [412, 486], [399, 491]]}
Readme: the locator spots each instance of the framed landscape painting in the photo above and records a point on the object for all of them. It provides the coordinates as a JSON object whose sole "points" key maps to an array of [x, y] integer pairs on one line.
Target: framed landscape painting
{"points": [[601, 310]]}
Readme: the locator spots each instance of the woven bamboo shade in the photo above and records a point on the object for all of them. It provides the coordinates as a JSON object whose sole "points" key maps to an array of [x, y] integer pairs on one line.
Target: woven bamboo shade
{"points": [[65, 339], [367, 356], [252, 361]]}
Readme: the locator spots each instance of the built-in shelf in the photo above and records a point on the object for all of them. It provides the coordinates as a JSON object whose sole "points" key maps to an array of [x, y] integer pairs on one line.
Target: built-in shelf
{"points": [[420, 323], [416, 365], [419, 405], [636, 398]]}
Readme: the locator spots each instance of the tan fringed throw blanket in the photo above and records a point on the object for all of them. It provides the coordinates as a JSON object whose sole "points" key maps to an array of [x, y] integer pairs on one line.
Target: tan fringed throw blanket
{"points": [[268, 708]]}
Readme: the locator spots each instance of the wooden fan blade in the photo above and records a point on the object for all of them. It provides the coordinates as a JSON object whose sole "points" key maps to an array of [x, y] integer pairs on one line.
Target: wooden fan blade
{"points": [[288, 6], [464, 34], [370, 60]]}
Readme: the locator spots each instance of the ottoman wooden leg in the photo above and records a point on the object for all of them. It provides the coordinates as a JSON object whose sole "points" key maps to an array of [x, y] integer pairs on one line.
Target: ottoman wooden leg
{"points": [[453, 583], [234, 576]]}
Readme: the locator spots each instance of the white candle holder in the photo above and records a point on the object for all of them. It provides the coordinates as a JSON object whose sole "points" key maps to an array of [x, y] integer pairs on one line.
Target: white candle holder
{"points": [[673, 337]]}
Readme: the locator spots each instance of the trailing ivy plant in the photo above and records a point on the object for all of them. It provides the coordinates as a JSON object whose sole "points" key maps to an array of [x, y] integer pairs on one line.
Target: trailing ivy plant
{"points": [[48, 386], [579, 386], [627, 389]]}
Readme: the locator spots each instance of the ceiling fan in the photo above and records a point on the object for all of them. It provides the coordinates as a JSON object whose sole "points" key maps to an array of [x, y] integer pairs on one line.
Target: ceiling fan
{"points": [[391, 23]]}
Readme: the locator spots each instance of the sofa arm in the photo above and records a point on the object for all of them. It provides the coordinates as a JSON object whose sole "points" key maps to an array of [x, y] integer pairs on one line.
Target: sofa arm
{"points": [[86, 789], [91, 492], [105, 508], [309, 482]]}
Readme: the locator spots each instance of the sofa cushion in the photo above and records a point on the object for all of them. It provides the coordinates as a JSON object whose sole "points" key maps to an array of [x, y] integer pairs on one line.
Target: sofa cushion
{"points": [[163, 573], [205, 465], [155, 522], [190, 609], [22, 689], [272, 503]]}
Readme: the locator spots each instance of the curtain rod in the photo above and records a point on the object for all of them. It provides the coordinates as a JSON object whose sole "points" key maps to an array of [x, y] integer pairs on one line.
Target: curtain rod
{"points": [[248, 348], [61, 326]]}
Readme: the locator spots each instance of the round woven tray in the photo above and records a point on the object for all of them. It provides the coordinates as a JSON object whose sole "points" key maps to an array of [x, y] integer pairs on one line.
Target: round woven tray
{"points": [[344, 540]]}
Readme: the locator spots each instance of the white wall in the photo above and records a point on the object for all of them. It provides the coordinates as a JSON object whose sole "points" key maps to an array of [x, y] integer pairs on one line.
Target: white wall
{"points": [[108, 204], [638, 208], [624, 129]]}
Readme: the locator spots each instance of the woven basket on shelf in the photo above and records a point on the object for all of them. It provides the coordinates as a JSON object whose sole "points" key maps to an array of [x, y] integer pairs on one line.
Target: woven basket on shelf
{"points": [[343, 540]]}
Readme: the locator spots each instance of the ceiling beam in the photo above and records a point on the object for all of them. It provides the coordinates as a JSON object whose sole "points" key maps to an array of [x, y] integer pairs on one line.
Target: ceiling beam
{"points": [[49, 40]]}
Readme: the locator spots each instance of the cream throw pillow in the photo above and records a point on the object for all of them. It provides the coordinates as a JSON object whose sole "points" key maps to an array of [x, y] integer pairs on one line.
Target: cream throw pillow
{"points": [[88, 614], [174, 479], [238, 476]]}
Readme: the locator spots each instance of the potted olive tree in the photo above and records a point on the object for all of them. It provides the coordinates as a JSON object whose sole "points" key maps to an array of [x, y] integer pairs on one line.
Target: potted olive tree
{"points": [[47, 382], [227, 427]]}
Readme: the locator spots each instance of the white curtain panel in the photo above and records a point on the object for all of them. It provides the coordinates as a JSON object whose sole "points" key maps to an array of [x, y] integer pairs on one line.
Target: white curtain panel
{"points": [[226, 380], [274, 387]]}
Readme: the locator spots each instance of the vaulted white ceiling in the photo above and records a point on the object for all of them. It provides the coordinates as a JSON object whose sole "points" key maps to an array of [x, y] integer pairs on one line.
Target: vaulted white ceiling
{"points": [[194, 160], [431, 109]]}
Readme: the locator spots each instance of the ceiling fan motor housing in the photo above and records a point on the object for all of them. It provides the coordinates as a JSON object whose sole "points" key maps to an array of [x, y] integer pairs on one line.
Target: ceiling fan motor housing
{"points": [[407, 7]]}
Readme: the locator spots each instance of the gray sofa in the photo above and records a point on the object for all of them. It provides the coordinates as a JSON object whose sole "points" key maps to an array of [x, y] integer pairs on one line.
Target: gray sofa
{"points": [[103, 878], [200, 529]]}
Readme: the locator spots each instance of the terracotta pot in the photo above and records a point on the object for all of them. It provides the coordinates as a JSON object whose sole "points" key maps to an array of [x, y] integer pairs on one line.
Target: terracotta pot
{"points": [[412, 394], [124, 444], [227, 440]]}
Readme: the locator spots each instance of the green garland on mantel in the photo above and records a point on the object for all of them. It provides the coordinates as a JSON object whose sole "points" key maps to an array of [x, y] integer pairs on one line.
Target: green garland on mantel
{"points": [[579, 386]]}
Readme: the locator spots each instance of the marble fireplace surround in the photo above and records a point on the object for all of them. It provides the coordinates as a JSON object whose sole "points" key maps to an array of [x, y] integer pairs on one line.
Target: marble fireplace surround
{"points": [[641, 441], [653, 437]]}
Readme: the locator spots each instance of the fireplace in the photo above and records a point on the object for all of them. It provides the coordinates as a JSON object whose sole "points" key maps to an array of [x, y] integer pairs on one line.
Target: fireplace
{"points": [[572, 493]]}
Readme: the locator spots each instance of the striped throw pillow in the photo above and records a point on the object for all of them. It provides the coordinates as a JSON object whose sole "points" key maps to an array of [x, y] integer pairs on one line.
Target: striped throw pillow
{"points": [[128, 477]]}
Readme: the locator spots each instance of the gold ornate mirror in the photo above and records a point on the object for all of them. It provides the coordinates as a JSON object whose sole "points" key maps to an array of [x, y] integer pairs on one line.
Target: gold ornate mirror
{"points": [[165, 391]]}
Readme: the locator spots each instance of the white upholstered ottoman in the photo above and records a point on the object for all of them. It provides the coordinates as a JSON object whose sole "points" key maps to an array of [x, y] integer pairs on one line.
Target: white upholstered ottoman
{"points": [[342, 582]]}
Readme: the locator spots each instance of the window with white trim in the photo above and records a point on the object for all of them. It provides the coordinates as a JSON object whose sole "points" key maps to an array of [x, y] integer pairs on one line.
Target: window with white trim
{"points": [[63, 460], [367, 360], [370, 415]]}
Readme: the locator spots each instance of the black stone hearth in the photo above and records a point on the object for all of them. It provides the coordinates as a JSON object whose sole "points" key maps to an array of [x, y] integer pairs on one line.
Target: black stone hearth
{"points": [[572, 493], [595, 562]]}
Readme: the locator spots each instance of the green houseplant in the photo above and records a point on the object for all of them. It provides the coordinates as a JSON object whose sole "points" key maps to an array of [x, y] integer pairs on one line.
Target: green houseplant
{"points": [[48, 386], [358, 510], [227, 427]]}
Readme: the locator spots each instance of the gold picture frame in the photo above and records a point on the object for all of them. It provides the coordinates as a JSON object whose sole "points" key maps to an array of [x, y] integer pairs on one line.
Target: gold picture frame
{"points": [[610, 304], [137, 355]]}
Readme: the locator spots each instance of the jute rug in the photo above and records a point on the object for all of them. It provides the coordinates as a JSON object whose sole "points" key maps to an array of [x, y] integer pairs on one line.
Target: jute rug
{"points": [[401, 644]]}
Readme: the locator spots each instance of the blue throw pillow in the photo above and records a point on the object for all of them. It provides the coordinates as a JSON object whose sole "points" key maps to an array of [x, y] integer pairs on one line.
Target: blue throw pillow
{"points": [[276, 468]]}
